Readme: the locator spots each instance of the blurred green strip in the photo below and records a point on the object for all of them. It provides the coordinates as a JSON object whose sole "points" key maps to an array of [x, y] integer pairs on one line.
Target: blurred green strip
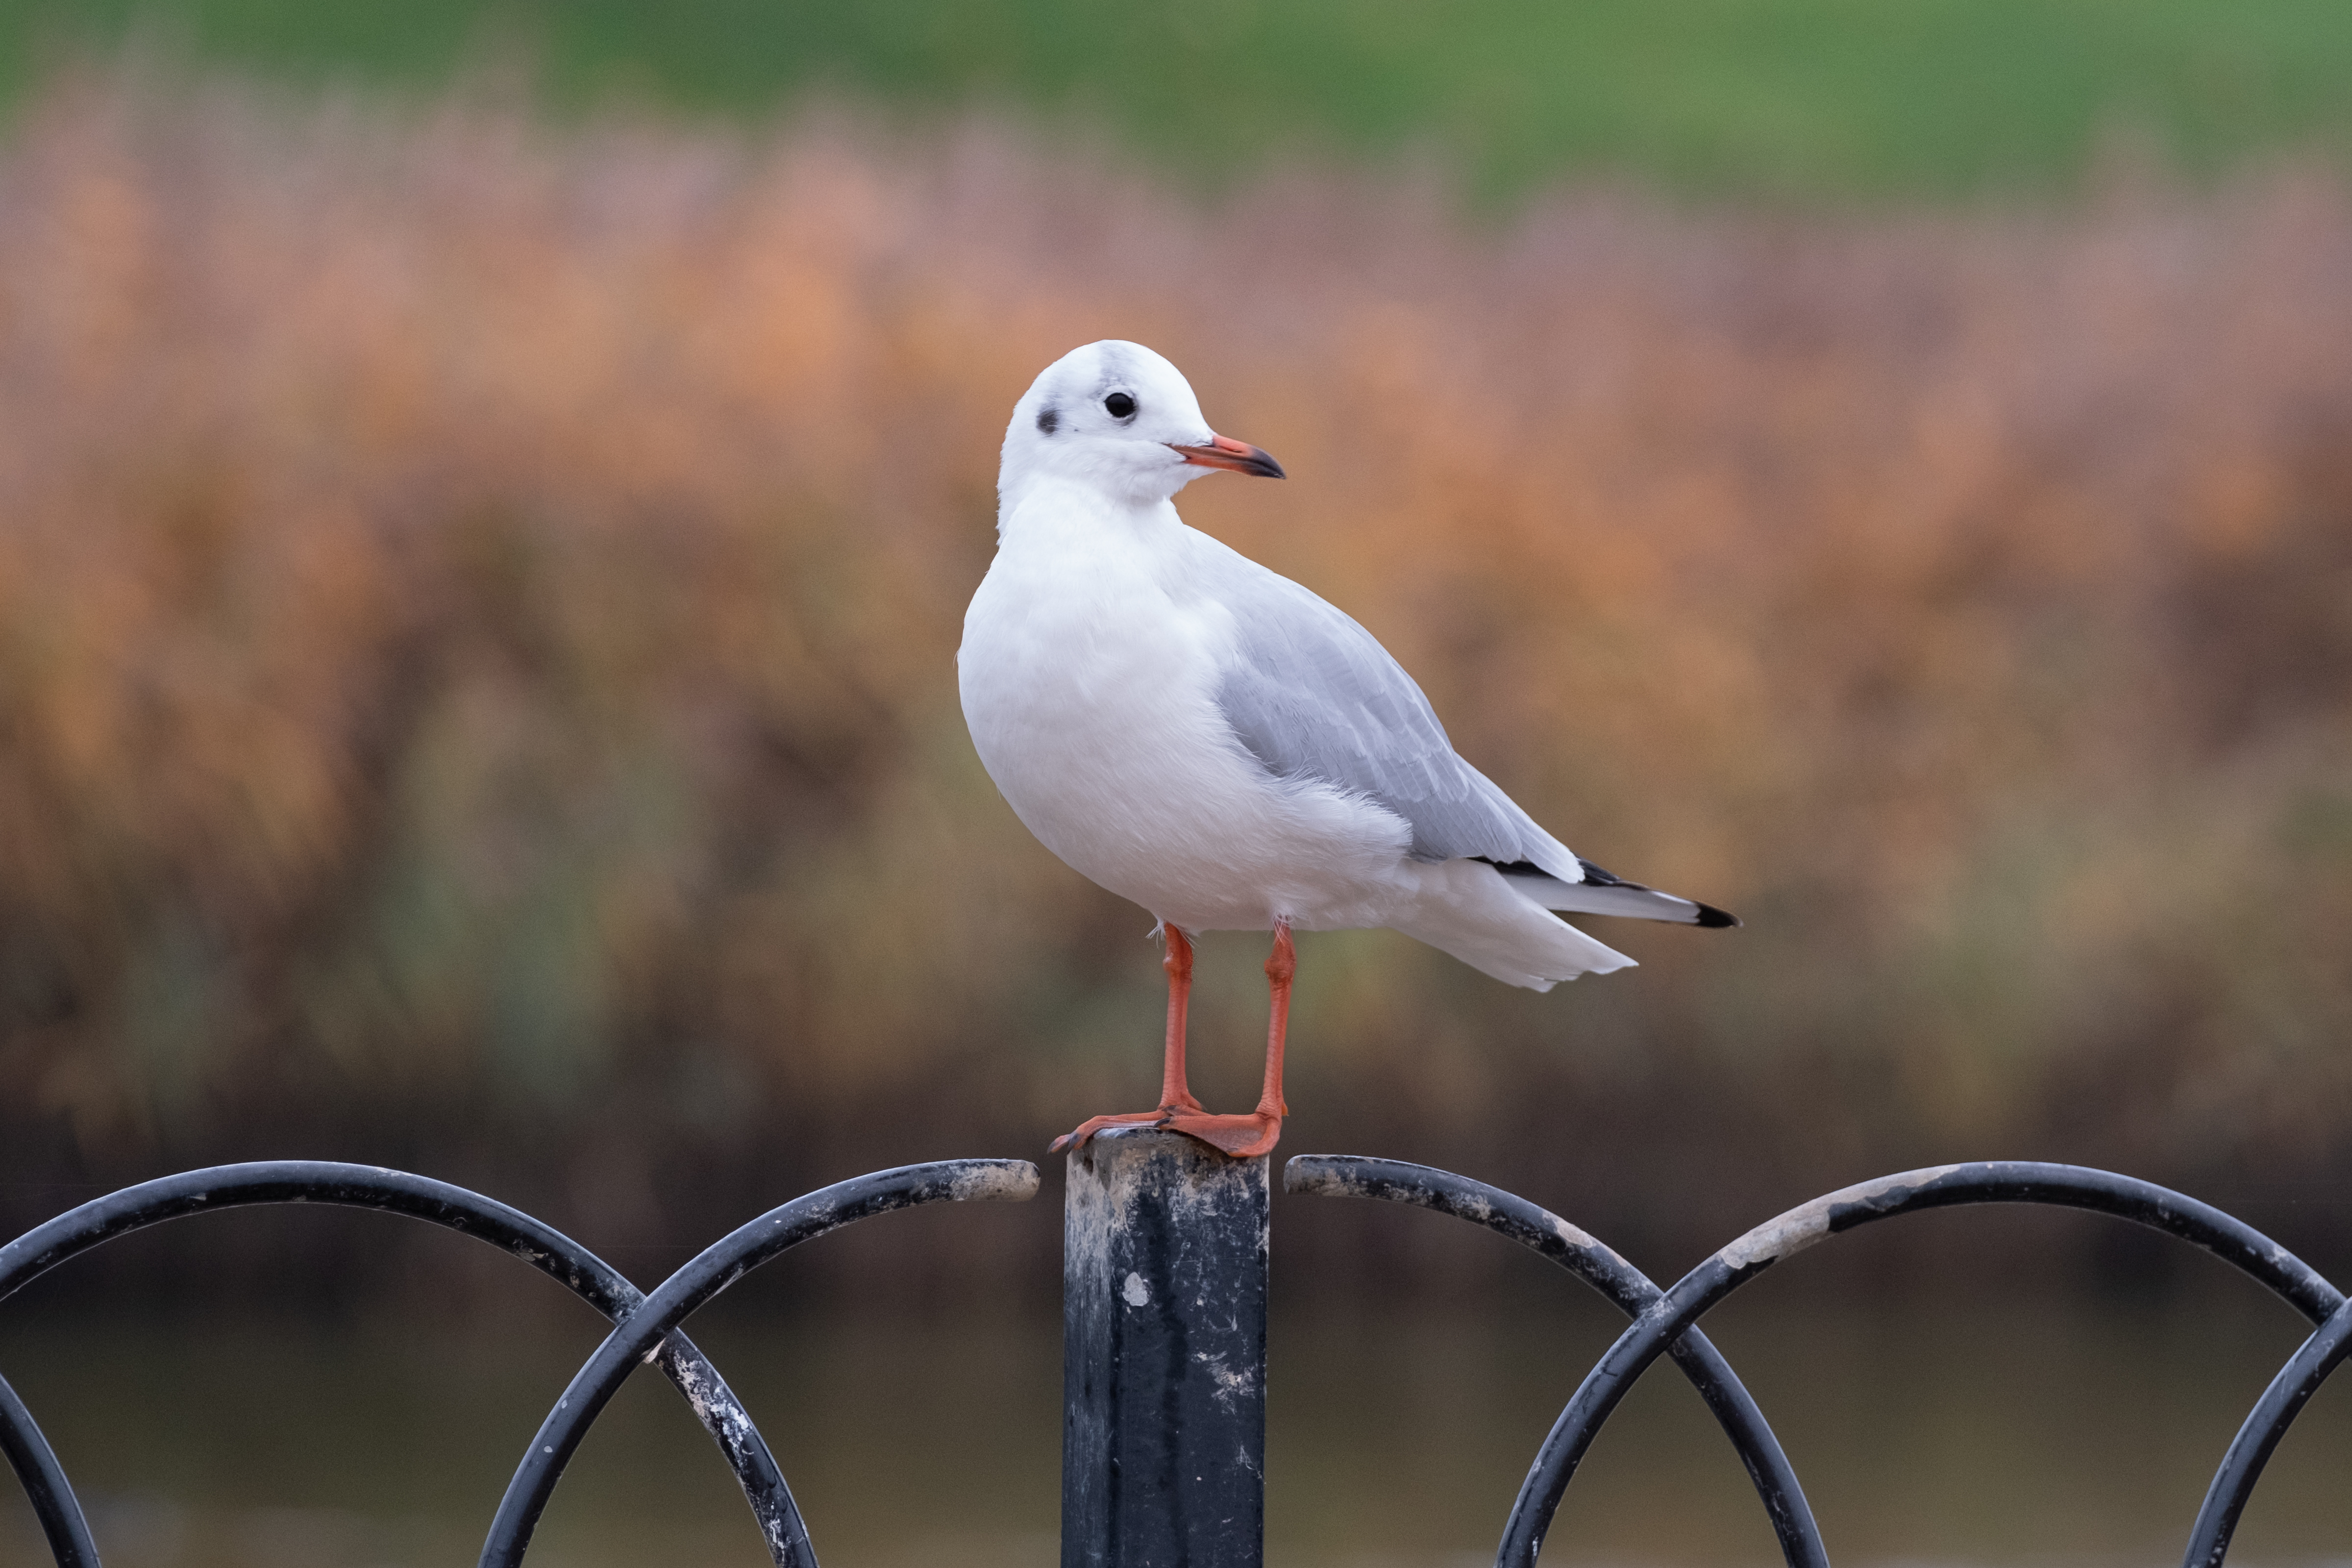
{"points": [[1820, 98]]}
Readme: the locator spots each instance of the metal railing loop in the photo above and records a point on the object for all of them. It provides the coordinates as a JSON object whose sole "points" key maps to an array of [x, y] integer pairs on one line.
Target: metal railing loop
{"points": [[54, 1503], [542, 1246], [1942, 1186], [1626, 1286], [2242, 1466], [636, 1338]]}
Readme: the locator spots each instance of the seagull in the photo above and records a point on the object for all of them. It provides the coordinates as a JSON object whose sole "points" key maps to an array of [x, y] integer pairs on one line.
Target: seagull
{"points": [[1208, 739]]}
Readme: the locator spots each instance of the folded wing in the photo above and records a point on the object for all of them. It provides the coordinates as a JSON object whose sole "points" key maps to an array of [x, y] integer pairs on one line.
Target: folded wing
{"points": [[1313, 695]]}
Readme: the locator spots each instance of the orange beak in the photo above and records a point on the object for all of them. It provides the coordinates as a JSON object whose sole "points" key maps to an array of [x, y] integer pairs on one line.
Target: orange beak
{"points": [[1240, 456]]}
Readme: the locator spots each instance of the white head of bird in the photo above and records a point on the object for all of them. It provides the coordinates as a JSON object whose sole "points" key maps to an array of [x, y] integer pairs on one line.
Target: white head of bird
{"points": [[1117, 418]]}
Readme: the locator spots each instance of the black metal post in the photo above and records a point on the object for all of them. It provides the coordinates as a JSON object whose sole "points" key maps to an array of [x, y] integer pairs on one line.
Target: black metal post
{"points": [[1163, 1355]]}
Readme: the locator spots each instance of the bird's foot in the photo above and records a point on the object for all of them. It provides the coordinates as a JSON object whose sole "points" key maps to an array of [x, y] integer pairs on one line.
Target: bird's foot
{"points": [[1243, 1137], [1076, 1138]]}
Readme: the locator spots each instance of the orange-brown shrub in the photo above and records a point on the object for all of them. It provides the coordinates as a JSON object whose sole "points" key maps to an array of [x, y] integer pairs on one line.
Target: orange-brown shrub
{"points": [[477, 603]]}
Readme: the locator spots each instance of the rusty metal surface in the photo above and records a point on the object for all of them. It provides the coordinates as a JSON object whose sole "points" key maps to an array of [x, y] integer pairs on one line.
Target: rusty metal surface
{"points": [[1163, 1354]]}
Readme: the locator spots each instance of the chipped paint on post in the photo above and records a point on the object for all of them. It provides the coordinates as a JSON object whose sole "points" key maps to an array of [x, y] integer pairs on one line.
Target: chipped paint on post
{"points": [[1163, 1355]]}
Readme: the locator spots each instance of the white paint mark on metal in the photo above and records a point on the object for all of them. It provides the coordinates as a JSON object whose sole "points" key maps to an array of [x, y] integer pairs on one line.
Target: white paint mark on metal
{"points": [[1580, 1240], [1008, 1182], [1321, 1180], [1809, 1223], [1231, 1384]]}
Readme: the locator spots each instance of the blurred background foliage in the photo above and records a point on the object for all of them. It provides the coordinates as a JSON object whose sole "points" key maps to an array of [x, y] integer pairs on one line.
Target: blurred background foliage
{"points": [[482, 549], [1805, 97]]}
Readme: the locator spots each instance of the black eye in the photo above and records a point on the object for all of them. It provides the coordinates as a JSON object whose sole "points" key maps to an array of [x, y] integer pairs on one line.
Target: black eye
{"points": [[1119, 405]]}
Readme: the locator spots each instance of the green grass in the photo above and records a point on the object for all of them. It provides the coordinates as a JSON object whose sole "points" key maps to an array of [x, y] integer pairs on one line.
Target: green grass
{"points": [[1812, 97]]}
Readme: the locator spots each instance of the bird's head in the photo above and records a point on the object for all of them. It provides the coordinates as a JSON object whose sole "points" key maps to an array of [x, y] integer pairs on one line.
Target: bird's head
{"points": [[1118, 416]]}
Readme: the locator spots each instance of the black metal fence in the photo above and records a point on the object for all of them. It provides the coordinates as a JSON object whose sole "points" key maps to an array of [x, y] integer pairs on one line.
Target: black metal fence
{"points": [[1164, 1344]]}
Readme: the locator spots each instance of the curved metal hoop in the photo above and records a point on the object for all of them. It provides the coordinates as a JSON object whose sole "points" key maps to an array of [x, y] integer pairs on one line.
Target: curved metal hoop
{"points": [[1631, 1292], [545, 1248], [2233, 1483], [54, 1503], [1943, 1186], [635, 1339], [646, 1327]]}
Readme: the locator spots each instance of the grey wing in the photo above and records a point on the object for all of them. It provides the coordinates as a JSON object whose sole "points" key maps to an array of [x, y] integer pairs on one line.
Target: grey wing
{"points": [[1313, 697]]}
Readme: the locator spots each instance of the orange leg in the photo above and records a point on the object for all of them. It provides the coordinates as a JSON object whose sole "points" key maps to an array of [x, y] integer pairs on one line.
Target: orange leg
{"points": [[1280, 965], [1247, 1137], [1174, 1096], [1244, 1137]]}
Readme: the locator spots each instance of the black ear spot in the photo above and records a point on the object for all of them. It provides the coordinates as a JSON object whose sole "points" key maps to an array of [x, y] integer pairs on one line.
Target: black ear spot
{"points": [[1049, 419], [1119, 405]]}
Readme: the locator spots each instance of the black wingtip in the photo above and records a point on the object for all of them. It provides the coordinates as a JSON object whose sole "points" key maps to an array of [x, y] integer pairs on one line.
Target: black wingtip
{"points": [[1708, 915]]}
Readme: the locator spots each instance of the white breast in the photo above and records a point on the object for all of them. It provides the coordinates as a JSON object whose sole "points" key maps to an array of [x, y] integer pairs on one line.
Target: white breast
{"points": [[1088, 672]]}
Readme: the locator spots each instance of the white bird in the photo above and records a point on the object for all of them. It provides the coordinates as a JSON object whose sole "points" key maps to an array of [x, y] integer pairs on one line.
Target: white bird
{"points": [[1207, 738]]}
